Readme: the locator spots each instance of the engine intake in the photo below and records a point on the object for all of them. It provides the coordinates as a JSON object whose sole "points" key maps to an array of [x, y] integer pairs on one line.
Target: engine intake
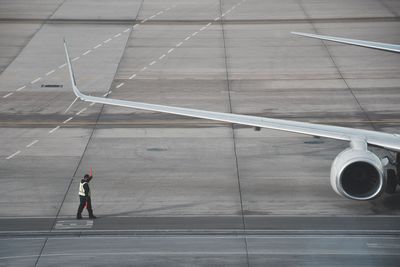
{"points": [[357, 174]]}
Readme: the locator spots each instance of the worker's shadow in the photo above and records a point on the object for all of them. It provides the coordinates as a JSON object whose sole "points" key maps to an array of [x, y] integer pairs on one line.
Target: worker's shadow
{"points": [[392, 201]]}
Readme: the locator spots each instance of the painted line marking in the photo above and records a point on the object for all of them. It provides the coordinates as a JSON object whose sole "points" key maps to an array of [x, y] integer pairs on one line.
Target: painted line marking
{"points": [[80, 111], [36, 80], [163, 56], [106, 94], [143, 69], [133, 76], [143, 21], [21, 88], [159, 13], [62, 66], [119, 85], [106, 41], [169, 51], [13, 155], [152, 63], [50, 72], [7, 95], [53, 130], [194, 34], [223, 14], [97, 46], [117, 35], [187, 38], [179, 44], [31, 144], [216, 19], [203, 28], [209, 24], [67, 120], [75, 59], [134, 26], [152, 17], [127, 30], [92, 104], [168, 9], [87, 52]]}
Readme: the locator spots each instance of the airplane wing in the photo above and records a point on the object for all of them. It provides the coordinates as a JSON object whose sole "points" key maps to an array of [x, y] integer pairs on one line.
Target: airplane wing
{"points": [[386, 140], [375, 45]]}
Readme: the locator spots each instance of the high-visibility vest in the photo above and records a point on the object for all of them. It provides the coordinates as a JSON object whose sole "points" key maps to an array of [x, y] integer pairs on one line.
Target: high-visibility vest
{"points": [[82, 190]]}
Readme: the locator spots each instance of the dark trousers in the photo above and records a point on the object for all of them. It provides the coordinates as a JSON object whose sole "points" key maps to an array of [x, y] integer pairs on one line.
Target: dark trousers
{"points": [[83, 201]]}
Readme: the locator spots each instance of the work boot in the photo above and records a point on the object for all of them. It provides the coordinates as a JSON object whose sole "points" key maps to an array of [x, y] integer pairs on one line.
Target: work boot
{"points": [[79, 217], [92, 217]]}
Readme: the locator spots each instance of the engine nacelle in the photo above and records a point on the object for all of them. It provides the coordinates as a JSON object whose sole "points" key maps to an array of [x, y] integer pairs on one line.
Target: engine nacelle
{"points": [[358, 174]]}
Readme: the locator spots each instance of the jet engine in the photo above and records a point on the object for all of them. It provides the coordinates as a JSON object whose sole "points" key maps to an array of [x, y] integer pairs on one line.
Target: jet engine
{"points": [[358, 174]]}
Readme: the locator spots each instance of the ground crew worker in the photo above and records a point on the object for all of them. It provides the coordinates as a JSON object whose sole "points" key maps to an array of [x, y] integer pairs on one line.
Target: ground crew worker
{"points": [[84, 197]]}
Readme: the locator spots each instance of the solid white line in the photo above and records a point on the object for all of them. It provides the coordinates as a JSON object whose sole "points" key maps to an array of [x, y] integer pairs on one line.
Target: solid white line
{"points": [[97, 46], [119, 85], [74, 59], [203, 28], [50, 72], [36, 80], [13, 155], [67, 120], [31, 144], [7, 95], [80, 111], [127, 30], [117, 35], [179, 44], [62, 66], [133, 76], [55, 129], [194, 34], [143, 69], [187, 38], [163, 56], [169, 51], [152, 17], [106, 41], [21, 88], [152, 63], [208, 24], [87, 52], [159, 13]]}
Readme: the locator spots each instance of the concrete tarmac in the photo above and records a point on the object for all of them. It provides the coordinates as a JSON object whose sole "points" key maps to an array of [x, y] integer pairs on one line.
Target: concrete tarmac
{"points": [[176, 191]]}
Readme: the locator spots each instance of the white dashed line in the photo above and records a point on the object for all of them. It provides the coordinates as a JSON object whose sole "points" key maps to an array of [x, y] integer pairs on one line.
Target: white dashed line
{"points": [[106, 41], [75, 59], [216, 19], [133, 76], [87, 52], [163, 56], [81, 111], [168, 9], [209, 24], [203, 28], [36, 80], [143, 21], [106, 94], [179, 44], [159, 13], [21, 88], [97, 46], [92, 104], [223, 14], [127, 30], [13, 155], [143, 69], [152, 17], [134, 26], [31, 144], [119, 85], [50, 72], [7, 95], [67, 120], [152, 63], [169, 51], [187, 38], [55, 129], [62, 66], [194, 34], [117, 35]]}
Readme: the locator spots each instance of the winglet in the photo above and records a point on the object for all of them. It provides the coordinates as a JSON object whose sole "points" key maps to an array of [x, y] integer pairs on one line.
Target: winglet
{"points": [[71, 73]]}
